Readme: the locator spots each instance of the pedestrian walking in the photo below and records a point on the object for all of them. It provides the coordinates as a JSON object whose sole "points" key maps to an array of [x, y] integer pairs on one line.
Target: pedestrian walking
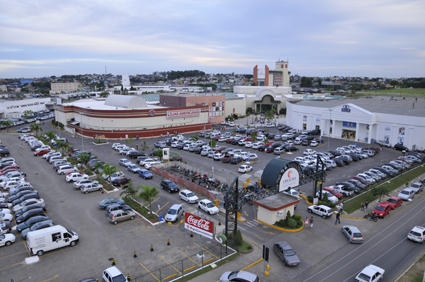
{"points": [[306, 221], [362, 207], [337, 218], [311, 222], [366, 204], [341, 207]]}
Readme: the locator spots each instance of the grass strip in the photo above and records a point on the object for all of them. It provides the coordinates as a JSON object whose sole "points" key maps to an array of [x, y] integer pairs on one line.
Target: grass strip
{"points": [[384, 188]]}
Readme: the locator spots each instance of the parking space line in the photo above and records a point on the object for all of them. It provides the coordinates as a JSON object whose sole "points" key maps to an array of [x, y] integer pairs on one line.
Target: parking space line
{"points": [[206, 250], [14, 254], [169, 276], [163, 206], [10, 266], [52, 278], [26, 248], [172, 266], [190, 268], [153, 275], [208, 260], [189, 257]]}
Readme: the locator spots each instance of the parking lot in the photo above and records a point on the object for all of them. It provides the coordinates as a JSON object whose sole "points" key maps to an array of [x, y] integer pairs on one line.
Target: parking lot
{"points": [[102, 241]]}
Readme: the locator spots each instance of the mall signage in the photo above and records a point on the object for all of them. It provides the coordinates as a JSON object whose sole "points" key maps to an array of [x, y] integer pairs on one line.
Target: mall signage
{"points": [[199, 225], [290, 179], [183, 113], [345, 109]]}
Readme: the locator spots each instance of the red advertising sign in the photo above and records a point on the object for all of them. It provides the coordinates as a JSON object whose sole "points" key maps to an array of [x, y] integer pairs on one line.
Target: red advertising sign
{"points": [[199, 225], [183, 113]]}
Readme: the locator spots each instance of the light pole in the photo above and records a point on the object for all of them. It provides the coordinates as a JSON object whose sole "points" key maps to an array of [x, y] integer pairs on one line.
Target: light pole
{"points": [[330, 127]]}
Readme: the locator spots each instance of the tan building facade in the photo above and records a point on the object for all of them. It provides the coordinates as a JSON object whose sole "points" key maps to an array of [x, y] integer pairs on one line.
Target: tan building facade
{"points": [[63, 87]]}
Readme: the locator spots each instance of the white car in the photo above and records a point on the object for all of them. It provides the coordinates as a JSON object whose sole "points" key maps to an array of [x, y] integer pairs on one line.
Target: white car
{"points": [[66, 169], [208, 206], [309, 152], [292, 192], [248, 144], [244, 168], [320, 210], [314, 143], [331, 198], [6, 217], [91, 187], [124, 162], [5, 211], [76, 176], [188, 196], [147, 163], [370, 273], [417, 234], [10, 184], [218, 156], [7, 239], [78, 184], [26, 203], [406, 194]]}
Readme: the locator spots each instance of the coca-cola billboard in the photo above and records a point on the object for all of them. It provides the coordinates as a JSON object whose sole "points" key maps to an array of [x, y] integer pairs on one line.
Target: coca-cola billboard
{"points": [[199, 225]]}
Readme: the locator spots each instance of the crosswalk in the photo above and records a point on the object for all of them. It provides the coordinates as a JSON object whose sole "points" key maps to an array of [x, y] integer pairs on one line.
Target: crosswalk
{"points": [[251, 223]]}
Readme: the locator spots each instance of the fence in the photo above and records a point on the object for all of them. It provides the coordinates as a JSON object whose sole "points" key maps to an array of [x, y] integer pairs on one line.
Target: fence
{"points": [[190, 263], [183, 182]]}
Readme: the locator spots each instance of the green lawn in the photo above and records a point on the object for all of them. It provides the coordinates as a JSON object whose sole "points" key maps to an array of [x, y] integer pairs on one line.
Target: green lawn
{"points": [[395, 92]]}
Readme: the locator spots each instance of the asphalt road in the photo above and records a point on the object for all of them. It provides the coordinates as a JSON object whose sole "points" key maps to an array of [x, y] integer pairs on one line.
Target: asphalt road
{"points": [[388, 248]]}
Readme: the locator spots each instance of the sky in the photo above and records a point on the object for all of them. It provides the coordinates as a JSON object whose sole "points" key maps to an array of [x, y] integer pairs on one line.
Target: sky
{"points": [[375, 38]]}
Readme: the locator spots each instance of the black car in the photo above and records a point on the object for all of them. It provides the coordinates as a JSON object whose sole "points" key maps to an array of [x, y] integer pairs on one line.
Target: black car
{"points": [[349, 186], [339, 161], [20, 194], [235, 160], [135, 154], [169, 186], [29, 214], [400, 147], [4, 152], [262, 148], [120, 181], [357, 183], [290, 148], [305, 142], [30, 207], [355, 157]]}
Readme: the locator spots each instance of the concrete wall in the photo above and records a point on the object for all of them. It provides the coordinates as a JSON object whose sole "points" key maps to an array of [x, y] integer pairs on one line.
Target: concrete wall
{"points": [[271, 217], [14, 109], [235, 106]]}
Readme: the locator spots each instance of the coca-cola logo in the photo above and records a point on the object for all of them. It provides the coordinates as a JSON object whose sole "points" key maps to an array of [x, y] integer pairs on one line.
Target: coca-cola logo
{"points": [[199, 222]]}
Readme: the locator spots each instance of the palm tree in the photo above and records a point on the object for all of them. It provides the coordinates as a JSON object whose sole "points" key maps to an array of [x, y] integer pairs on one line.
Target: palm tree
{"points": [[36, 127], [7, 124], [148, 194], [63, 146], [109, 169], [51, 134], [84, 158], [130, 191]]}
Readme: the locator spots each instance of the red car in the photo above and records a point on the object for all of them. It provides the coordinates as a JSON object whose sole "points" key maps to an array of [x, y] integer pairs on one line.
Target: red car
{"points": [[382, 209], [269, 143], [333, 192], [8, 168], [43, 152], [394, 202]]}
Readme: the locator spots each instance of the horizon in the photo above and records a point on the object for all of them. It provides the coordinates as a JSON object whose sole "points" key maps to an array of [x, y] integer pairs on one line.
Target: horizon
{"points": [[382, 39]]}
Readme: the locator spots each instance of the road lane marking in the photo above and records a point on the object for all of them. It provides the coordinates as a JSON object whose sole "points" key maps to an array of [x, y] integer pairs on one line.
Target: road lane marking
{"points": [[14, 254], [26, 248], [188, 257], [52, 278], [11, 265], [172, 266], [153, 275]]}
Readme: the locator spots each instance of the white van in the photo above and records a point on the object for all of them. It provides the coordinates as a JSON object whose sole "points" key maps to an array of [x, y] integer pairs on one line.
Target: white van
{"points": [[50, 238]]}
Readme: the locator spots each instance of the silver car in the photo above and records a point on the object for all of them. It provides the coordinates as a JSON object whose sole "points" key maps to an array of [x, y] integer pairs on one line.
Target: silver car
{"points": [[352, 233], [286, 253], [242, 276]]}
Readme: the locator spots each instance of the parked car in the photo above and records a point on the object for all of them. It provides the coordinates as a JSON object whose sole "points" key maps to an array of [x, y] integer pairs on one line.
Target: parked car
{"points": [[239, 276], [244, 168], [208, 206], [78, 184], [286, 253], [382, 210], [109, 201], [320, 210], [370, 273], [406, 194], [121, 215], [115, 207], [124, 162], [169, 186], [188, 196], [331, 198], [76, 176], [29, 222], [7, 239], [6, 217], [29, 214], [417, 187], [352, 233], [173, 213], [90, 187], [113, 274], [144, 173], [417, 234], [30, 207], [36, 226], [134, 168], [394, 202]]}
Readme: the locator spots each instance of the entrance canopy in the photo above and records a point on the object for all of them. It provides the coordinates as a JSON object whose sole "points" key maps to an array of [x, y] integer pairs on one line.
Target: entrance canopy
{"points": [[278, 168]]}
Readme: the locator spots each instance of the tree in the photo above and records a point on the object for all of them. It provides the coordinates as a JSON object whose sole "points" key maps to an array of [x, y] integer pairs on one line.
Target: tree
{"points": [[212, 143], [130, 191], [6, 123], [253, 135], [269, 114], [109, 169], [84, 158], [63, 146], [50, 134], [148, 194], [36, 127], [27, 113], [104, 94], [306, 82]]}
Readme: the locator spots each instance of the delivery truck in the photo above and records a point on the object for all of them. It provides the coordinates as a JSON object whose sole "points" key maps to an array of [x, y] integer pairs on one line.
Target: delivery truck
{"points": [[50, 238]]}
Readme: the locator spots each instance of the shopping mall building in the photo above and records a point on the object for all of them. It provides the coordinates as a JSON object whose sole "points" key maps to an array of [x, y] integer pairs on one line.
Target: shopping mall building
{"points": [[389, 120]]}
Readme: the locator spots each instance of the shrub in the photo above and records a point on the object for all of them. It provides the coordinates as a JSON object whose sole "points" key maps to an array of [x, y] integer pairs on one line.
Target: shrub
{"points": [[292, 223], [238, 238], [158, 153], [297, 217]]}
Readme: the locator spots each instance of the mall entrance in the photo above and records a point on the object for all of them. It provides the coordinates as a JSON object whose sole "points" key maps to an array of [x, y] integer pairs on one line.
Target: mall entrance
{"points": [[267, 103], [348, 134]]}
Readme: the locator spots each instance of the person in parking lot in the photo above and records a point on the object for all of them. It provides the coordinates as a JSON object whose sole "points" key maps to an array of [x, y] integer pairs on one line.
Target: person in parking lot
{"points": [[337, 218], [311, 222], [366, 204], [362, 207]]}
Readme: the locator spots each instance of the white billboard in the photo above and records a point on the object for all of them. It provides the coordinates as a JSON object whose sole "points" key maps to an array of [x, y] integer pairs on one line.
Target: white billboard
{"points": [[290, 178]]}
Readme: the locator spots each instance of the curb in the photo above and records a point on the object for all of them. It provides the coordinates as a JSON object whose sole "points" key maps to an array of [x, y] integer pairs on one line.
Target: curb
{"points": [[281, 228], [410, 266], [305, 199]]}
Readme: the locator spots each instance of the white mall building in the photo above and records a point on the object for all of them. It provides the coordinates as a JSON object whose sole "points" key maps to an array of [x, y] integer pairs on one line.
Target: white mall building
{"points": [[390, 120]]}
